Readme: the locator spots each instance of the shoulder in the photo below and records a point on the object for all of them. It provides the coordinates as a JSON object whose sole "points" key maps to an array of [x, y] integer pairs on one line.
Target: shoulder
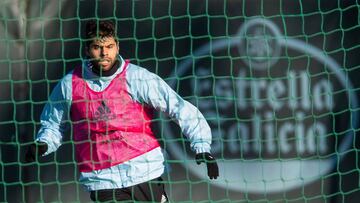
{"points": [[135, 72], [63, 89], [67, 79]]}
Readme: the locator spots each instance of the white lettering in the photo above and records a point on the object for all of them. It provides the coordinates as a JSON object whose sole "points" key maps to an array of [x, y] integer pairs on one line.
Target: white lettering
{"points": [[257, 133], [292, 90], [284, 131], [305, 91], [256, 87], [238, 136], [269, 136], [317, 133], [269, 132], [299, 133], [224, 93], [323, 95], [275, 90], [296, 91], [262, 98]]}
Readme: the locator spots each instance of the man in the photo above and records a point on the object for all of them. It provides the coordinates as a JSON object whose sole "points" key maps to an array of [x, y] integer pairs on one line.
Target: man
{"points": [[109, 102]]}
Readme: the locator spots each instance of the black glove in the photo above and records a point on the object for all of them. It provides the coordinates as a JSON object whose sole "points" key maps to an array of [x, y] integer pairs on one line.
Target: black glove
{"points": [[35, 150], [212, 167]]}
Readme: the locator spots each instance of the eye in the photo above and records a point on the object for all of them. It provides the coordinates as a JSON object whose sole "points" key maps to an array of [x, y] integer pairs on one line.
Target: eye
{"points": [[110, 46], [95, 47]]}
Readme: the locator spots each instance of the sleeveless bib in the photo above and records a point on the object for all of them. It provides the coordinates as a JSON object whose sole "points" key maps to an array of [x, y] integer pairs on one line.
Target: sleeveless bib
{"points": [[108, 126]]}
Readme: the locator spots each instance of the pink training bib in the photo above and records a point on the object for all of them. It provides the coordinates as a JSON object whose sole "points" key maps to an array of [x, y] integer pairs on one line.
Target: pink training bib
{"points": [[108, 127]]}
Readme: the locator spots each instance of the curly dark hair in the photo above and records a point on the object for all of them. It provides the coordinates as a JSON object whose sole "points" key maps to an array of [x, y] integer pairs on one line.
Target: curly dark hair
{"points": [[99, 29]]}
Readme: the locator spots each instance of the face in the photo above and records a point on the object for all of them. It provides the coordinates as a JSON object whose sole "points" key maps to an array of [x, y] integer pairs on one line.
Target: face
{"points": [[103, 53]]}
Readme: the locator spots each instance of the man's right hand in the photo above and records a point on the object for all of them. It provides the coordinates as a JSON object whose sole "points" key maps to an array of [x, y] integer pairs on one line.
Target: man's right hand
{"points": [[35, 150]]}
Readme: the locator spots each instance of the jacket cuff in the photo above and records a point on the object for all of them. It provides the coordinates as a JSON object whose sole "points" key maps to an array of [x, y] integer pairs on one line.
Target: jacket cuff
{"points": [[199, 149]]}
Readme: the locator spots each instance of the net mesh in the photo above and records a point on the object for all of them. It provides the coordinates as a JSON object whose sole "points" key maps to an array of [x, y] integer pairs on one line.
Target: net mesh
{"points": [[276, 81]]}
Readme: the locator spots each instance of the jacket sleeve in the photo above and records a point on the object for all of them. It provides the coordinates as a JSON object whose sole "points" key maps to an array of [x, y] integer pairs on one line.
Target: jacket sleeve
{"points": [[55, 114], [147, 87]]}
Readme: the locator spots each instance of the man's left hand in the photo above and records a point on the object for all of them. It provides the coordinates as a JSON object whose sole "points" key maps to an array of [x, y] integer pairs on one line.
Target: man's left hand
{"points": [[212, 167], [35, 150]]}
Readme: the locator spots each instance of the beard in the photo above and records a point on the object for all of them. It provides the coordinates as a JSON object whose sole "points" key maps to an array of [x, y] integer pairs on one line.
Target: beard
{"points": [[110, 68]]}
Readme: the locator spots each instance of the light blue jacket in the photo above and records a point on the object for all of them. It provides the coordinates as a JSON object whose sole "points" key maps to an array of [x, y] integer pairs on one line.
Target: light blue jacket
{"points": [[143, 87]]}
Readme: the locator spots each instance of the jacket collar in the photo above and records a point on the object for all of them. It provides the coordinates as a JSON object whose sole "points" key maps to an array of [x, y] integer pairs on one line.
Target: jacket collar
{"points": [[89, 74]]}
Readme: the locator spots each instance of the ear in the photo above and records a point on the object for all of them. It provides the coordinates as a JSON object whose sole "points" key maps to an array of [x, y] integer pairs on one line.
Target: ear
{"points": [[118, 46]]}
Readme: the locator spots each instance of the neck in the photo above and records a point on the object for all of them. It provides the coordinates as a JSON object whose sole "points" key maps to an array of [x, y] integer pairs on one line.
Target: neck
{"points": [[99, 72]]}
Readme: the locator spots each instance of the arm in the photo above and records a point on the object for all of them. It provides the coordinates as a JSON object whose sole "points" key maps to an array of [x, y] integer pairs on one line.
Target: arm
{"points": [[52, 122], [149, 88], [152, 90]]}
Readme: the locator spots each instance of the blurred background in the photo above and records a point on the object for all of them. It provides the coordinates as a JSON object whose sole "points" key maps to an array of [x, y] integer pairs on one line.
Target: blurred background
{"points": [[276, 80]]}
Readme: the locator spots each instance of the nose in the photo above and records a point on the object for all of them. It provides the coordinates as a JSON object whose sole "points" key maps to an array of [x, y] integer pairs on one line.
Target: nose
{"points": [[103, 52]]}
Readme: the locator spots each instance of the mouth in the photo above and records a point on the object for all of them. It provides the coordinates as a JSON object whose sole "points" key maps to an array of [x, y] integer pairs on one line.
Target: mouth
{"points": [[104, 62]]}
